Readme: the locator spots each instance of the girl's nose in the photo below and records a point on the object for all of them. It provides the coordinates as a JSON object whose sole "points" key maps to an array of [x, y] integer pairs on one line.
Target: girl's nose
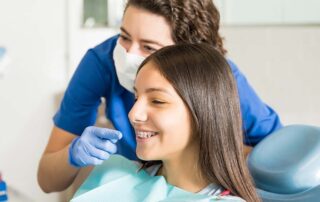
{"points": [[138, 114]]}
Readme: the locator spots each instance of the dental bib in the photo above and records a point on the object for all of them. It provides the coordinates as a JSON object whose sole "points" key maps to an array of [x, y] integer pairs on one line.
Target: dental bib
{"points": [[119, 179]]}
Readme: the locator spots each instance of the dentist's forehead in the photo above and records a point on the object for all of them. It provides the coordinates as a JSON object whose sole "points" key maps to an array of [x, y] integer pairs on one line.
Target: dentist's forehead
{"points": [[142, 24]]}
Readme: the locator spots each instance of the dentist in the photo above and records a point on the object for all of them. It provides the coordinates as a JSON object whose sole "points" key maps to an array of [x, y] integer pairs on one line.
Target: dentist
{"points": [[108, 71]]}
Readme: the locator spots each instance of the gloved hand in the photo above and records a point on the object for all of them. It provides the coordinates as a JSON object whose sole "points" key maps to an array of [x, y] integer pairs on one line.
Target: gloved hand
{"points": [[93, 147]]}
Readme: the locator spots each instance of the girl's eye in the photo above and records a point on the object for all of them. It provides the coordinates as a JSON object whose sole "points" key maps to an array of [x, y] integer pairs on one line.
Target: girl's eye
{"points": [[158, 102]]}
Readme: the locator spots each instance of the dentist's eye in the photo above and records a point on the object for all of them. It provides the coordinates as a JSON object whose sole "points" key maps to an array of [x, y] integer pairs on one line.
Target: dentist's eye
{"points": [[124, 38], [149, 49]]}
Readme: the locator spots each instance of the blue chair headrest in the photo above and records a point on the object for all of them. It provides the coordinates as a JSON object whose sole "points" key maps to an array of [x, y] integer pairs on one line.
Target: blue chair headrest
{"points": [[287, 162]]}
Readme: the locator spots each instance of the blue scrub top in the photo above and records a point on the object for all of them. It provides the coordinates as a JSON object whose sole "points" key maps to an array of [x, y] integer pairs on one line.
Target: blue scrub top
{"points": [[96, 78]]}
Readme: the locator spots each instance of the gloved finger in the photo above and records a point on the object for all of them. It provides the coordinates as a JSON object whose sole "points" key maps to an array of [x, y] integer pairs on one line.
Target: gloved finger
{"points": [[94, 161], [106, 145], [97, 153], [106, 133]]}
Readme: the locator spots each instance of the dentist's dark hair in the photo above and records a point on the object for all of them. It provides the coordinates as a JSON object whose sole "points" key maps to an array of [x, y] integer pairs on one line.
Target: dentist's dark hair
{"points": [[204, 81], [191, 21]]}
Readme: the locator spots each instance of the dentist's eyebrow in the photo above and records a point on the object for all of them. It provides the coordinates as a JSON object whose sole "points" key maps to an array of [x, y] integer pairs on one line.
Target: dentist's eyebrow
{"points": [[125, 31], [142, 40]]}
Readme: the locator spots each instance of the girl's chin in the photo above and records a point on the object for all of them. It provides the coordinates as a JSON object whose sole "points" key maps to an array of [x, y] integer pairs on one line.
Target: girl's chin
{"points": [[146, 156]]}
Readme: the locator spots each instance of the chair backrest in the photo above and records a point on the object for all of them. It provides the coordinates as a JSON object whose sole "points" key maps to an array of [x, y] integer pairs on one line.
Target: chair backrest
{"points": [[286, 164]]}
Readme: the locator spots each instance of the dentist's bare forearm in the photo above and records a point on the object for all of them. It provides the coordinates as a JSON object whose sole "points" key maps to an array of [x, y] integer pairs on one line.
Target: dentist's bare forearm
{"points": [[55, 173]]}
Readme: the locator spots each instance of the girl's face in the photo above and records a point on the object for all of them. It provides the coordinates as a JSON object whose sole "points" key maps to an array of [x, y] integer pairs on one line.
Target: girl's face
{"points": [[143, 32], [161, 120]]}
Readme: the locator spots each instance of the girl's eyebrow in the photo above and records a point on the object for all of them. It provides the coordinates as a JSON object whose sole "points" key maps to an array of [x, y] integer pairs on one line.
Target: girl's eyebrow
{"points": [[150, 90], [142, 40]]}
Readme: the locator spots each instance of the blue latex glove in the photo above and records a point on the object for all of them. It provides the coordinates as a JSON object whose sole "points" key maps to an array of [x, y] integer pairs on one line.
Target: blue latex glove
{"points": [[93, 147]]}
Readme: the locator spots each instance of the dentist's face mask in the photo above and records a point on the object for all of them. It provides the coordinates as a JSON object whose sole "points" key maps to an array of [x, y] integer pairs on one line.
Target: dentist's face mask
{"points": [[126, 66]]}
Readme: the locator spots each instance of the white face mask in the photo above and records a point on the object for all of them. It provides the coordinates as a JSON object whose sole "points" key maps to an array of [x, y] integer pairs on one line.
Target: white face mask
{"points": [[126, 66]]}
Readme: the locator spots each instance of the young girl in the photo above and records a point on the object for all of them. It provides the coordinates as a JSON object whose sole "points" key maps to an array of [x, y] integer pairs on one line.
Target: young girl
{"points": [[188, 130]]}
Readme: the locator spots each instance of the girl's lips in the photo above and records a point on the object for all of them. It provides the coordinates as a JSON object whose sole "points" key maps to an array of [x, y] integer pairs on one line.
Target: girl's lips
{"points": [[143, 136]]}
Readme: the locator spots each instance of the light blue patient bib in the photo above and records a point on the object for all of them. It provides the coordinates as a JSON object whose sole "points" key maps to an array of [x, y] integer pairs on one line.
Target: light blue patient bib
{"points": [[118, 179]]}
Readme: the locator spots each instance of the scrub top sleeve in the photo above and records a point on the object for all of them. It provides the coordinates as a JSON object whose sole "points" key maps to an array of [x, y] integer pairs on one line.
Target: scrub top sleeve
{"points": [[79, 106], [259, 120]]}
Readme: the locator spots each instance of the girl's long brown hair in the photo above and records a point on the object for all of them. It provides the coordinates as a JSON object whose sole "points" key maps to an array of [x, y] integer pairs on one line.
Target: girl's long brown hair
{"points": [[204, 81]]}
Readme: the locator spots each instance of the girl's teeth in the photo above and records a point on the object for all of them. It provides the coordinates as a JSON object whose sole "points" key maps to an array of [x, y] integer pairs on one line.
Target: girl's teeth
{"points": [[143, 134]]}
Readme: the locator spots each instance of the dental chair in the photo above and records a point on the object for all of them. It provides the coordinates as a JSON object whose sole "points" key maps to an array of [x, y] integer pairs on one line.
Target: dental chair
{"points": [[286, 165]]}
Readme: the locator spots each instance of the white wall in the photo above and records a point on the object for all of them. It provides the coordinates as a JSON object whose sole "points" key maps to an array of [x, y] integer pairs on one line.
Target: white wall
{"points": [[33, 31], [282, 64], [80, 39], [270, 12]]}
